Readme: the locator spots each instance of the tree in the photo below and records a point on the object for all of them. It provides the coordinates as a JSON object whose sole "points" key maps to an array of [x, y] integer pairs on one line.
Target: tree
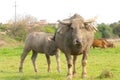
{"points": [[19, 30], [116, 29], [98, 34], [106, 30], [3, 27]]}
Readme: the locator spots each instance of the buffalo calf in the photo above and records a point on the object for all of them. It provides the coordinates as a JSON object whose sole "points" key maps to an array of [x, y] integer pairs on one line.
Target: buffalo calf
{"points": [[40, 42]]}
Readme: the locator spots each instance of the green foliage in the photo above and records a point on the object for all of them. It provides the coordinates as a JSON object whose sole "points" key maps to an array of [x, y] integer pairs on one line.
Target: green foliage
{"points": [[35, 29], [116, 29], [28, 24], [3, 27], [18, 32], [105, 30], [49, 28], [98, 34]]}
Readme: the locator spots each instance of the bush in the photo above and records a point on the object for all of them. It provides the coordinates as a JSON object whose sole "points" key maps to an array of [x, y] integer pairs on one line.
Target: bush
{"points": [[3, 27], [49, 28], [105, 30], [98, 34], [18, 32]]}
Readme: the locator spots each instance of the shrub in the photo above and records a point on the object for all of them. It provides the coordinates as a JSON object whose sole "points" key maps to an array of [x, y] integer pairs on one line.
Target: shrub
{"points": [[49, 28], [18, 32]]}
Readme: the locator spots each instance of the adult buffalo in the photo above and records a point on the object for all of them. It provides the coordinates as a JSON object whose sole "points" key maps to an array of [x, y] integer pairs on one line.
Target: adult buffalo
{"points": [[74, 36], [40, 42]]}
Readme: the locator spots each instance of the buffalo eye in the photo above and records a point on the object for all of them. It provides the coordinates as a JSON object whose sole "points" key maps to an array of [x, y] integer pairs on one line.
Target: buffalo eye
{"points": [[71, 28]]}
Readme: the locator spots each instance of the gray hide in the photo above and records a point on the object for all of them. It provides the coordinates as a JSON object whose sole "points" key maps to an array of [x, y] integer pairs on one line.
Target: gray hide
{"points": [[40, 42], [74, 36]]}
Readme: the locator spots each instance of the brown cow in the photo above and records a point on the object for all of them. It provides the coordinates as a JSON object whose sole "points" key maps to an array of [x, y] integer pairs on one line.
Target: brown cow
{"points": [[102, 43], [111, 45]]}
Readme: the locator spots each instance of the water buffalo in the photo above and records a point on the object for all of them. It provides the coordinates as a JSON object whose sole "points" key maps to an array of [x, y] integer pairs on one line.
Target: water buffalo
{"points": [[74, 36], [102, 43], [40, 42]]}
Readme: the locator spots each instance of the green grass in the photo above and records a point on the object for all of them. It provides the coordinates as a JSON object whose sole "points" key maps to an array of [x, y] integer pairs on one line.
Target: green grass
{"points": [[98, 60]]}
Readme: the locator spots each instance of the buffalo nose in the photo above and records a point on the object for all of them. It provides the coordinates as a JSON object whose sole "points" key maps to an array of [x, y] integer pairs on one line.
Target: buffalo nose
{"points": [[77, 42]]}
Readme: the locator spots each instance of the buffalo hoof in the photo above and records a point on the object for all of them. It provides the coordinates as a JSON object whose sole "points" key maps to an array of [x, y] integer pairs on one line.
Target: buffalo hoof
{"points": [[59, 70], [84, 75], [36, 71], [69, 76], [74, 74], [20, 71], [49, 70]]}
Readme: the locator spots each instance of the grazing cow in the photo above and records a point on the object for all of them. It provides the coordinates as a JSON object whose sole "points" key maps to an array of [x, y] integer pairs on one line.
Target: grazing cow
{"points": [[74, 36], [102, 43], [40, 42], [111, 45]]}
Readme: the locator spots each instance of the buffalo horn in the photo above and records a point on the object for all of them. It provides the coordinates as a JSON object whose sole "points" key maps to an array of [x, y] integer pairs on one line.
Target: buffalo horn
{"points": [[91, 20], [67, 22]]}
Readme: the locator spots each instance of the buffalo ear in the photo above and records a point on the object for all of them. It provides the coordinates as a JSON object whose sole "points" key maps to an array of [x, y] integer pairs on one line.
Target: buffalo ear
{"points": [[53, 38], [50, 38]]}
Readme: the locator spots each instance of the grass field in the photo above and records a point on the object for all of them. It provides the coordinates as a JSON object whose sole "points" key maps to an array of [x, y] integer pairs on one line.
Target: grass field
{"points": [[98, 60]]}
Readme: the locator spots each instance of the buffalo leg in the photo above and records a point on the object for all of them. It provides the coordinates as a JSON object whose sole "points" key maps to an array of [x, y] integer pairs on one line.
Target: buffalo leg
{"points": [[23, 56], [48, 61], [58, 61], [33, 58], [84, 63], [69, 62], [74, 63]]}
